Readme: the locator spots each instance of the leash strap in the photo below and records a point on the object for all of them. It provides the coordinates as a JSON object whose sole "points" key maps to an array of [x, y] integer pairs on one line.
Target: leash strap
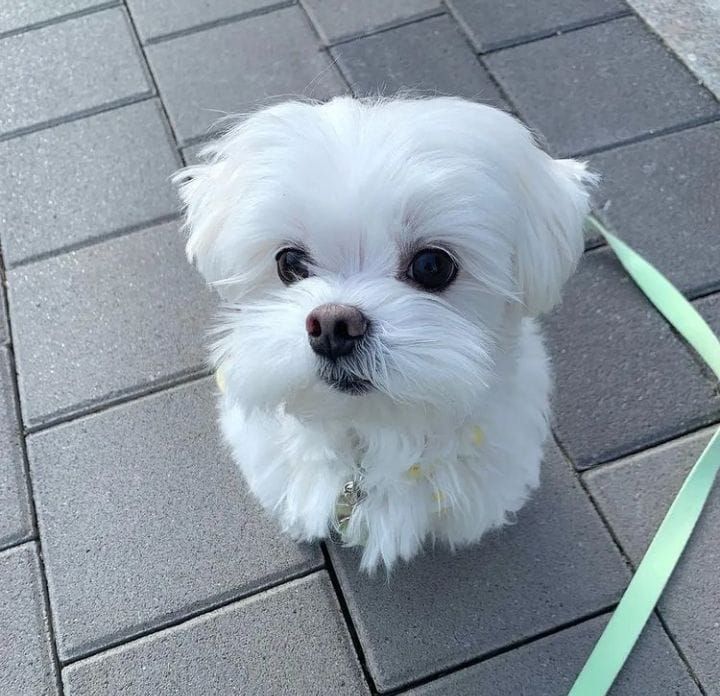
{"points": [[642, 594]]}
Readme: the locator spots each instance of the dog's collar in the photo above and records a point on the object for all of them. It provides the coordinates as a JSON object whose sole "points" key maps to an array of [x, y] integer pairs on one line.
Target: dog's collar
{"points": [[352, 493]]}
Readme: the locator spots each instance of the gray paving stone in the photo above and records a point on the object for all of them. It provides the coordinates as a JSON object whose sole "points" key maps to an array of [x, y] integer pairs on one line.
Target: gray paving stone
{"points": [[430, 56], [340, 19], [155, 18], [623, 381], [237, 67], [144, 519], [673, 216], [556, 564], [68, 68], [709, 307], [106, 321], [26, 665], [691, 30], [491, 25], [549, 666], [634, 495], [15, 518], [614, 81], [290, 640], [192, 153], [85, 179], [22, 13]]}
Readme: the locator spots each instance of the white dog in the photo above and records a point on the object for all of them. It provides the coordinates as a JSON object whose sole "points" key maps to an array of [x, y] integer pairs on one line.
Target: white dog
{"points": [[382, 262]]}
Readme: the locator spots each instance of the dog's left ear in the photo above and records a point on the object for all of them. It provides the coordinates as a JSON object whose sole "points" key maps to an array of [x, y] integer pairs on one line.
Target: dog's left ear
{"points": [[551, 243]]}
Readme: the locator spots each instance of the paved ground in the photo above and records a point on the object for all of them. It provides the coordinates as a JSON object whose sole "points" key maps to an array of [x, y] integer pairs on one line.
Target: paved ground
{"points": [[132, 559]]}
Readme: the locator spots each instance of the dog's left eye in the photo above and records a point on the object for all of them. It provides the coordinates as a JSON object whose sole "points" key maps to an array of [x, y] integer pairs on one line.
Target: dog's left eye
{"points": [[292, 265], [433, 269]]}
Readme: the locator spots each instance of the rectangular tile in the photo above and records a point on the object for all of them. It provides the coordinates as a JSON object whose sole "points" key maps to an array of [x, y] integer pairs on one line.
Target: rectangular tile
{"points": [[240, 66], [17, 14], [709, 308], [144, 520], [106, 321], [661, 195], [15, 516], [549, 666], [155, 18], [623, 381], [634, 495], [614, 82], [85, 179], [339, 19], [429, 56], [26, 664], [290, 640], [491, 24], [555, 564], [68, 68], [691, 30]]}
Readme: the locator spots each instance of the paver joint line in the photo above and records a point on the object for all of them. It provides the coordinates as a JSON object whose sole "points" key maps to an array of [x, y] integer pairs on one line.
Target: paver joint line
{"points": [[231, 19], [78, 115], [59, 19], [35, 536]]}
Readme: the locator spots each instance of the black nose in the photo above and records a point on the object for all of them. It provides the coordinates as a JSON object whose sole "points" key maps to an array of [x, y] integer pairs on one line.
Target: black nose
{"points": [[334, 329]]}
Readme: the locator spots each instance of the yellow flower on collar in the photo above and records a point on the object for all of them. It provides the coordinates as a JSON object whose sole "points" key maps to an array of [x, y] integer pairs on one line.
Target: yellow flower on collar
{"points": [[477, 436], [415, 472]]}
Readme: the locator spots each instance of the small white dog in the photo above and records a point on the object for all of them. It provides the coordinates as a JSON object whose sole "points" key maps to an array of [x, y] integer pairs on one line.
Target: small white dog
{"points": [[382, 262]]}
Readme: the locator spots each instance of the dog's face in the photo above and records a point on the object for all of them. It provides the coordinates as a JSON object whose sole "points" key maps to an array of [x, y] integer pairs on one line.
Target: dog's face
{"points": [[376, 254]]}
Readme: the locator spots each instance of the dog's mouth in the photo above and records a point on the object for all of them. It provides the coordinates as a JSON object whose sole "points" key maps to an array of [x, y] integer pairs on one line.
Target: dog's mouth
{"points": [[338, 377], [346, 384]]}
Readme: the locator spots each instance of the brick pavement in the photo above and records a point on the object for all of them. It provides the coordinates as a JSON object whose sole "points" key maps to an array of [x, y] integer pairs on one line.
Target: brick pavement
{"points": [[131, 558]]}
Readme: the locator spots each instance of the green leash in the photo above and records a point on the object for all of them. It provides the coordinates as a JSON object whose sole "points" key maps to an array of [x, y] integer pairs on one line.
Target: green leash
{"points": [[620, 635]]}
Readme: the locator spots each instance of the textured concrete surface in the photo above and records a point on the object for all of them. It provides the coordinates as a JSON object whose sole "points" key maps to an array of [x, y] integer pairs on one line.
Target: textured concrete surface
{"points": [[15, 517], [492, 25], [614, 82], [339, 19], [634, 495], [430, 57], [86, 179], [155, 18], [163, 574], [68, 68], [709, 308], [143, 503], [692, 30], [26, 663], [17, 15], [622, 379], [549, 667], [129, 302], [288, 641], [445, 608], [200, 81], [673, 218]]}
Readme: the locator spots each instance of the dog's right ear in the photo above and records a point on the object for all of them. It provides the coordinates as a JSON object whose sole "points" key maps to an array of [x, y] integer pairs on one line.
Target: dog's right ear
{"points": [[205, 193]]}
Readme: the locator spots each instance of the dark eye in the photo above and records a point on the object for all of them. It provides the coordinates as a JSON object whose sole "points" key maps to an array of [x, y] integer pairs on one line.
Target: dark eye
{"points": [[292, 265], [432, 269]]}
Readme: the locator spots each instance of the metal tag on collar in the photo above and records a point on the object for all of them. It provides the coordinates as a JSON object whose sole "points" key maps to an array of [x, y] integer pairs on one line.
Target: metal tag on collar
{"points": [[345, 505]]}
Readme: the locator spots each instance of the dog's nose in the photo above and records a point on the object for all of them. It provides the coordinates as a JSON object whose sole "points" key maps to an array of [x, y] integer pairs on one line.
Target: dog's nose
{"points": [[335, 329]]}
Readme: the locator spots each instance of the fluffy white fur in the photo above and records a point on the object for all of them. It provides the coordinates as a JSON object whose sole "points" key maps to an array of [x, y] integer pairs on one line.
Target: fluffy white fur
{"points": [[362, 185]]}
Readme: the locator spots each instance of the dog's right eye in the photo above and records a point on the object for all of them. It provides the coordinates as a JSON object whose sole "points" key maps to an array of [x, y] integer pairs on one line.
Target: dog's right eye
{"points": [[292, 265]]}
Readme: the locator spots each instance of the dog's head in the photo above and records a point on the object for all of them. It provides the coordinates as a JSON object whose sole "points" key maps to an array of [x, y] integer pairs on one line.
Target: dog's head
{"points": [[371, 253]]}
